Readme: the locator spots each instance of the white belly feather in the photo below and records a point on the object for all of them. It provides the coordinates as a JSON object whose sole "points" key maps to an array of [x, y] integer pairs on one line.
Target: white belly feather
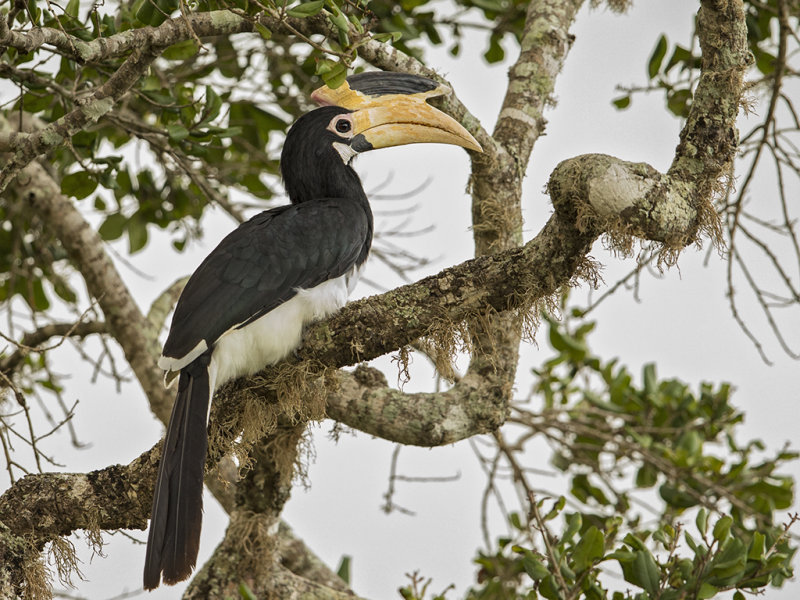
{"points": [[267, 340]]}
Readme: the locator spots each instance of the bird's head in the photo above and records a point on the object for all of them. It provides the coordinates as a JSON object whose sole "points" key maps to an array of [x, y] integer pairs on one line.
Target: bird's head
{"points": [[369, 111]]}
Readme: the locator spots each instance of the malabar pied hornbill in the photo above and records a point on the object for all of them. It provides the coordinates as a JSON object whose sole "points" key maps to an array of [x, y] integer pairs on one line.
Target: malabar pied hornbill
{"points": [[246, 304]]}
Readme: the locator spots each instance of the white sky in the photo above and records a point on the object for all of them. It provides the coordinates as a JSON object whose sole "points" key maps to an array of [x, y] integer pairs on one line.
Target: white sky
{"points": [[682, 324]]}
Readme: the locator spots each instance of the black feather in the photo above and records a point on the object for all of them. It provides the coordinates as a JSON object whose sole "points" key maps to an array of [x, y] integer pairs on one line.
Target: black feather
{"points": [[310, 165], [174, 536]]}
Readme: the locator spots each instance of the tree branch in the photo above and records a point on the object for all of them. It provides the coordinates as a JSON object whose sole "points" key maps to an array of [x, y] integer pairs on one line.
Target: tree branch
{"points": [[634, 199], [31, 341], [163, 305], [171, 31], [364, 402], [300, 560], [116, 497]]}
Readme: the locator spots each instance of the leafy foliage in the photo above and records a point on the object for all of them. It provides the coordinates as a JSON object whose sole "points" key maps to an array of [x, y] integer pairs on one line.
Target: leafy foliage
{"points": [[212, 137], [623, 445], [675, 76]]}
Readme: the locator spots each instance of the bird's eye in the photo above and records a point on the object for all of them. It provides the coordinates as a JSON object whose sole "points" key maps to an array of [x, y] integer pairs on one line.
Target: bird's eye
{"points": [[343, 126]]}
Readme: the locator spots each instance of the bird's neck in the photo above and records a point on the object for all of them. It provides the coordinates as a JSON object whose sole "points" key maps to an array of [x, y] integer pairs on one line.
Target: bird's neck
{"points": [[323, 178], [326, 181]]}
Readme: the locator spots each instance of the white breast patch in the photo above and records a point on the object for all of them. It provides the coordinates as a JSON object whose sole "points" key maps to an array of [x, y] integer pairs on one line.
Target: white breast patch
{"points": [[267, 340]]}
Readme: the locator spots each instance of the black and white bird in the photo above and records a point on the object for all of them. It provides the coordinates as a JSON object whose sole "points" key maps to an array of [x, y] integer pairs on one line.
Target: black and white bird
{"points": [[246, 304]]}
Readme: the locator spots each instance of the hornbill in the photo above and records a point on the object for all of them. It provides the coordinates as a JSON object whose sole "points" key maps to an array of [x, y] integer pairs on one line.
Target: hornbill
{"points": [[246, 304]]}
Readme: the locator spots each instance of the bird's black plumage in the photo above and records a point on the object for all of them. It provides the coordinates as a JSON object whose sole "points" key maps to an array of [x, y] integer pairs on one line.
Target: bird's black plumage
{"points": [[262, 264], [174, 536], [322, 235]]}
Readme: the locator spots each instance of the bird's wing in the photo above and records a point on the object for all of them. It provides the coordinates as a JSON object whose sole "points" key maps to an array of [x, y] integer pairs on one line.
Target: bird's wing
{"points": [[262, 264]]}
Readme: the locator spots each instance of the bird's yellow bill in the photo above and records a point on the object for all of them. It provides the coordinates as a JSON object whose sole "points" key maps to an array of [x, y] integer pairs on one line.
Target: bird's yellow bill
{"points": [[396, 112], [402, 120]]}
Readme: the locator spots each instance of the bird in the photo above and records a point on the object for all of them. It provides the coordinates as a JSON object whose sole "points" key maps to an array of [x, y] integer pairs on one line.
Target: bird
{"points": [[245, 306]]}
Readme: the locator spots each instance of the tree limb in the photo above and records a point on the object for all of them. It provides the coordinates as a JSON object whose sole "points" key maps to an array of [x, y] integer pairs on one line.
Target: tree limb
{"points": [[634, 199], [41, 507], [31, 341]]}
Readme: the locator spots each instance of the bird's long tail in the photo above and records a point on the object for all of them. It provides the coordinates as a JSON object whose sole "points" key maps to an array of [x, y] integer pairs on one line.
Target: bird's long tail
{"points": [[174, 536]]}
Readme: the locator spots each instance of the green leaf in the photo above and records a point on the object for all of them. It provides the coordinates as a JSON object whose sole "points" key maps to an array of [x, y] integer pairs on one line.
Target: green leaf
{"points": [[79, 184], [383, 37], [730, 561], [339, 20], [549, 588], [574, 524], [690, 447], [181, 50], [675, 497], [646, 476], [757, 547], [765, 62], [722, 528], [779, 496], [343, 571], [177, 132], [246, 593], [113, 226], [678, 102], [495, 52], [356, 22], [558, 506], [702, 521], [137, 234], [212, 107], [73, 6], [534, 567], [679, 55], [690, 541], [36, 102], [50, 385], [622, 556], [657, 57], [37, 299], [634, 542], [706, 591], [155, 12], [306, 9], [336, 76], [394, 36], [263, 31], [34, 12], [650, 378], [589, 549], [64, 291], [646, 572]]}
